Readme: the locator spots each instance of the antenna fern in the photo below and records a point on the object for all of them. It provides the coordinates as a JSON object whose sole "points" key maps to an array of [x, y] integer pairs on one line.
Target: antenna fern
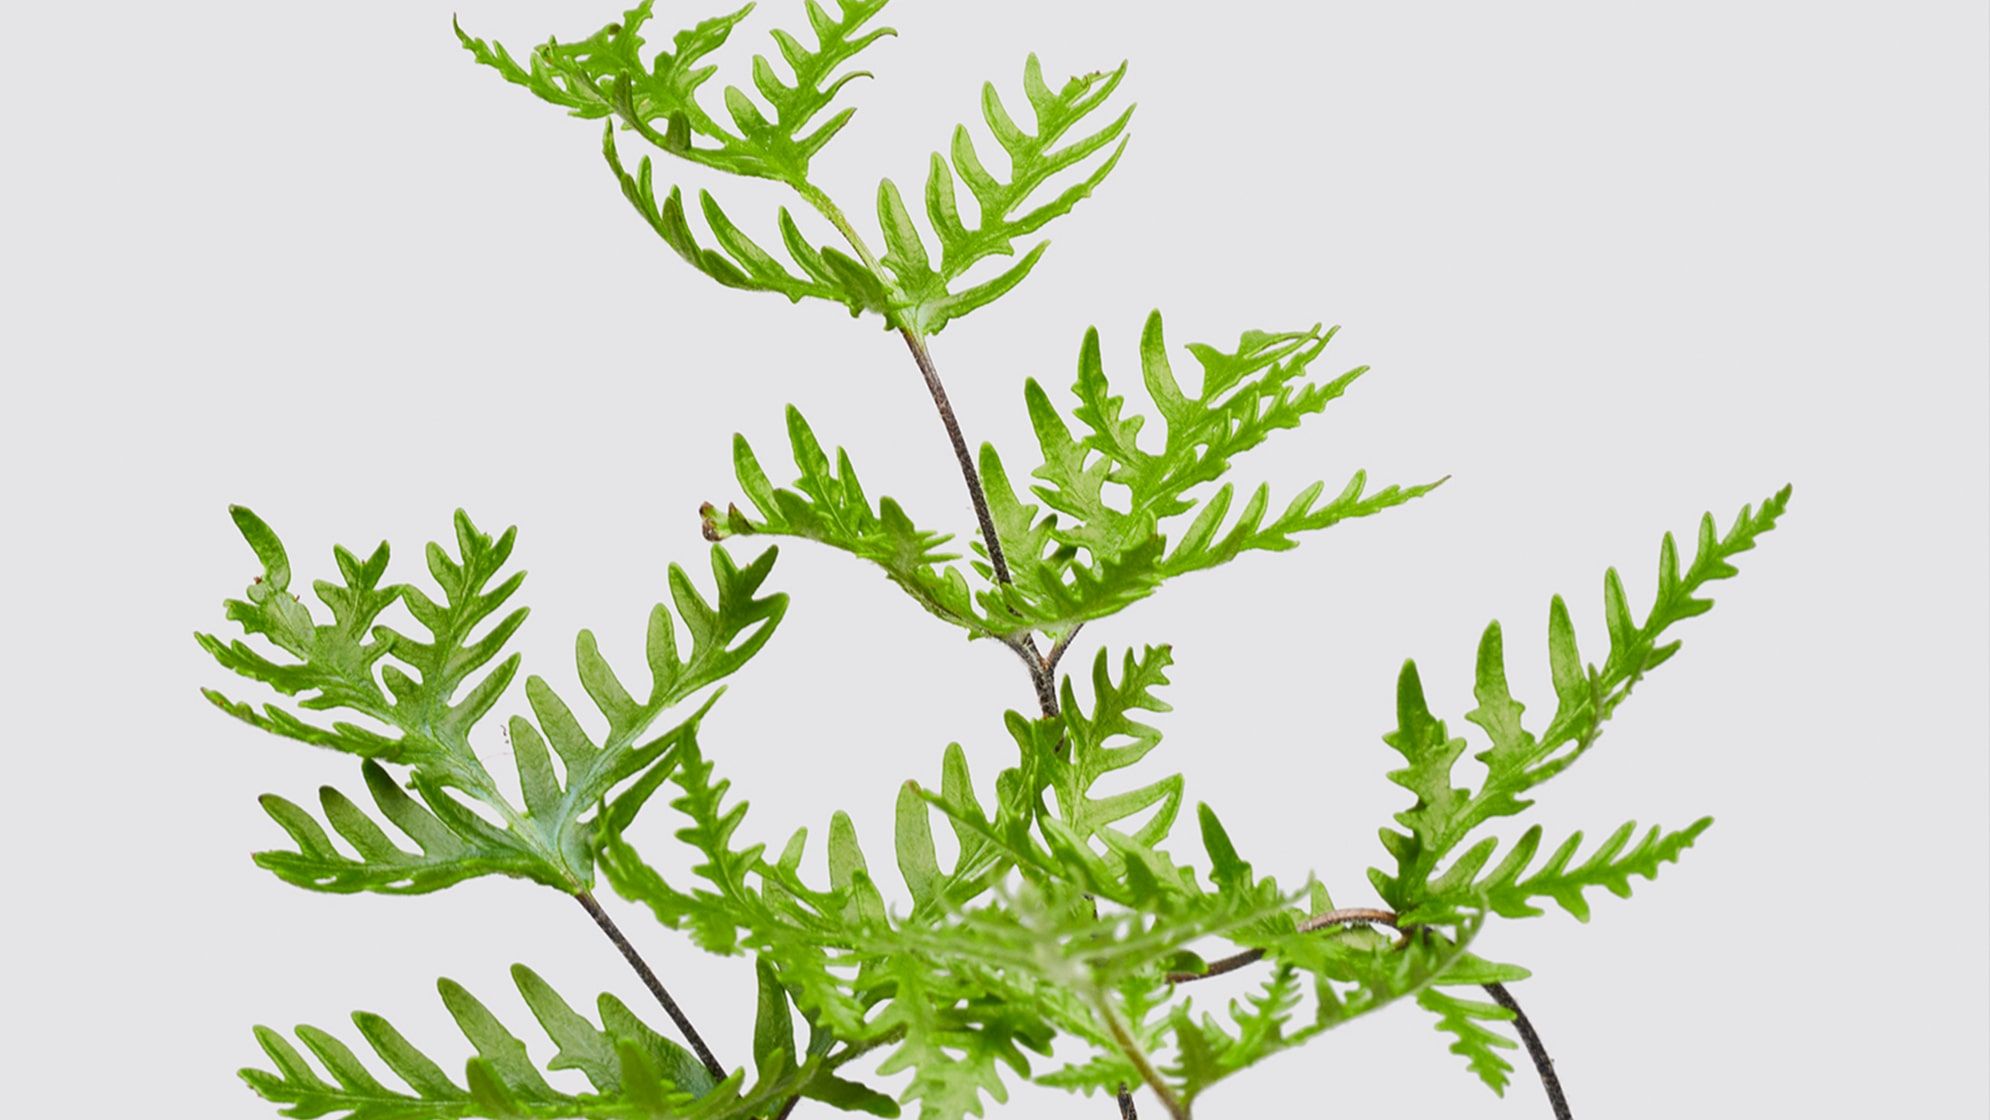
{"points": [[1053, 928]]}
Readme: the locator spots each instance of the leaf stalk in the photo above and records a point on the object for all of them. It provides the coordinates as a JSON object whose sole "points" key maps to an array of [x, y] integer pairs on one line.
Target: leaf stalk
{"points": [[652, 982]]}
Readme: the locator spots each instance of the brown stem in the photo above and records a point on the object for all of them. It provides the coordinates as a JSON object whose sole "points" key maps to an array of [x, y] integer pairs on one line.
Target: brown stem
{"points": [[1355, 915], [1042, 668], [1042, 676], [1058, 650], [650, 981], [961, 454], [1543, 1065], [1042, 671]]}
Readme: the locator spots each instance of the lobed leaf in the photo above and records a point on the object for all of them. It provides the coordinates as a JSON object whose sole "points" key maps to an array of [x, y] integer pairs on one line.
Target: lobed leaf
{"points": [[1516, 761], [1091, 556], [425, 690]]}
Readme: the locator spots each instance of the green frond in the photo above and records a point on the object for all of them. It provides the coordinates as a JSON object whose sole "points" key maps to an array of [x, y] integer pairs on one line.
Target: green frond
{"points": [[656, 93], [451, 842], [1072, 752], [823, 273], [1472, 1023], [1510, 888], [715, 913], [1092, 556], [828, 505], [633, 1070], [1466, 1020], [1048, 920], [425, 691], [794, 136], [775, 129], [356, 664], [928, 295], [1517, 760]]}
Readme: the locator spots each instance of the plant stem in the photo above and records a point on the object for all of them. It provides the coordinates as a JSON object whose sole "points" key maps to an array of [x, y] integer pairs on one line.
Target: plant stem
{"points": [[1042, 669], [962, 456], [1543, 1064], [1130, 1046], [649, 978]]}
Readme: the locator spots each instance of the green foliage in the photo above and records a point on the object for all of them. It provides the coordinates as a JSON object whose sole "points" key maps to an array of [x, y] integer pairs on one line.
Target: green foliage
{"points": [[1049, 910], [1089, 557], [607, 75], [655, 95], [1086, 557], [633, 1071], [408, 687], [1517, 760], [828, 505], [1049, 922], [1446, 815]]}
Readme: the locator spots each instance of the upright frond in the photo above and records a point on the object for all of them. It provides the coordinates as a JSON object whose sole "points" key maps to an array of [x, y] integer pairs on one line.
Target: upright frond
{"points": [[1094, 554], [928, 295]]}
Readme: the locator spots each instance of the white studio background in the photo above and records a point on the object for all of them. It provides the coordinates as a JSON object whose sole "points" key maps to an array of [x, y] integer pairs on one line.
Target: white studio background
{"points": [[1614, 265]]}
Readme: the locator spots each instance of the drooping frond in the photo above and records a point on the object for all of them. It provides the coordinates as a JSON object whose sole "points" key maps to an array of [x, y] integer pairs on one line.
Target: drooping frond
{"points": [[633, 1071], [735, 259]]}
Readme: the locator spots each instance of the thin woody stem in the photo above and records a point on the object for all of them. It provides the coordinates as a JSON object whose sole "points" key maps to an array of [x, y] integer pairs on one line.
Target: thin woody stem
{"points": [[1543, 1064], [1058, 650], [651, 982], [1350, 916], [962, 455], [1042, 668]]}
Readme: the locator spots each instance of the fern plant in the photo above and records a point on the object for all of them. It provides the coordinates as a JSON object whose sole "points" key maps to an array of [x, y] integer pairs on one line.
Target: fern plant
{"points": [[1057, 911]]}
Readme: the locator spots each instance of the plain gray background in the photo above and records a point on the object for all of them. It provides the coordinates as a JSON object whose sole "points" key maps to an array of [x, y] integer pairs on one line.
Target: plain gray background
{"points": [[1614, 265]]}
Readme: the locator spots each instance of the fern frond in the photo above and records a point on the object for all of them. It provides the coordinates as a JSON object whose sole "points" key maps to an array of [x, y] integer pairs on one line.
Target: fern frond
{"points": [[788, 141], [412, 685], [1517, 761], [634, 1071], [828, 505], [1466, 1020], [1510, 888], [824, 272], [655, 94], [451, 842], [1079, 748], [1090, 557], [332, 666], [607, 74], [1472, 1023], [926, 295]]}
